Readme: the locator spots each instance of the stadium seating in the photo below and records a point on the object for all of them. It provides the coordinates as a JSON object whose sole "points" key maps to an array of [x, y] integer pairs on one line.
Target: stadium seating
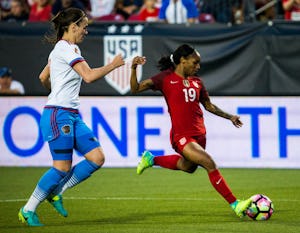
{"points": [[110, 17]]}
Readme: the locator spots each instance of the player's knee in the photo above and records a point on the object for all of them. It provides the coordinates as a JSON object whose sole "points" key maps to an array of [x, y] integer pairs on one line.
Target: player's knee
{"points": [[210, 166], [99, 159], [62, 165], [192, 169], [188, 167], [208, 163], [96, 156]]}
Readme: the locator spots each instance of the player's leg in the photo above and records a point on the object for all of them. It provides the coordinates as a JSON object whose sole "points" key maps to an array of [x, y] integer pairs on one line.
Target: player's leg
{"points": [[149, 160], [195, 153], [62, 152], [76, 175], [88, 145], [47, 183], [173, 162], [57, 200], [186, 165], [83, 170], [61, 147]]}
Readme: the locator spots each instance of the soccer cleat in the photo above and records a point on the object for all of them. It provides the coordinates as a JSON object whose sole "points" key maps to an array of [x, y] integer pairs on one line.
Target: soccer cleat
{"points": [[29, 217], [146, 161], [57, 203], [240, 207]]}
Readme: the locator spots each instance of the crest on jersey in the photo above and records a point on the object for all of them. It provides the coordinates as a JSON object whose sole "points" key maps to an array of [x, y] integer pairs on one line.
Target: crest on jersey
{"points": [[128, 46], [195, 84], [186, 83]]}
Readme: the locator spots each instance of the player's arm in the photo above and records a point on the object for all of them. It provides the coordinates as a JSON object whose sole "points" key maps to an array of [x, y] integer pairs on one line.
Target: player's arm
{"points": [[209, 106], [45, 77], [288, 5], [135, 86], [90, 75]]}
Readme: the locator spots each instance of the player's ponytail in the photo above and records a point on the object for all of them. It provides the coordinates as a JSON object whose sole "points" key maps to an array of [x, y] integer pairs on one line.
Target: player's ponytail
{"points": [[170, 62], [61, 22], [165, 63]]}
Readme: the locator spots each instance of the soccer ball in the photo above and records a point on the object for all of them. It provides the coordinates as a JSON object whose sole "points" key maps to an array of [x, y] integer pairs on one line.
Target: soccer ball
{"points": [[261, 207]]}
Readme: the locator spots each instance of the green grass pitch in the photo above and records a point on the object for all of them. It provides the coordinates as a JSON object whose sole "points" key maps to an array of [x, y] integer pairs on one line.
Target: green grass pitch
{"points": [[158, 201]]}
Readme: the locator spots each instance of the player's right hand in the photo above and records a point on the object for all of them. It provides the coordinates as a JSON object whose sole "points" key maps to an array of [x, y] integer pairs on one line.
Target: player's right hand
{"points": [[118, 61], [236, 121]]}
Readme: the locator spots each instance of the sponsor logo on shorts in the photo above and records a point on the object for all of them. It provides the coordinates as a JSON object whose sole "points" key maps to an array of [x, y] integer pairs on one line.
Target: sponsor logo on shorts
{"points": [[182, 141]]}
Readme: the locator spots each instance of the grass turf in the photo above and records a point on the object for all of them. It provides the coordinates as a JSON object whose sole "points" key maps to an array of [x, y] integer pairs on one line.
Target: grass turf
{"points": [[159, 201]]}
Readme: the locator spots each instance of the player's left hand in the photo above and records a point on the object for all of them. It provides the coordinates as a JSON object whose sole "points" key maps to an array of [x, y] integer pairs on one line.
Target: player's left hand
{"points": [[138, 61], [236, 121]]}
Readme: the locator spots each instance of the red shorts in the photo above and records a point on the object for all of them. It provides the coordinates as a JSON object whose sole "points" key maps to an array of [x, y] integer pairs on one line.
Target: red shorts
{"points": [[183, 141]]}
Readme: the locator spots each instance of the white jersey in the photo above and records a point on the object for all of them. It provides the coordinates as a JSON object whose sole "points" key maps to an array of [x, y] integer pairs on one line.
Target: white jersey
{"points": [[101, 7], [65, 81], [176, 12], [16, 85]]}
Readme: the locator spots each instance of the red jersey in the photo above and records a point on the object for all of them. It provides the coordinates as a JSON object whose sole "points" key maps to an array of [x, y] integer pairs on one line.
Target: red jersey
{"points": [[36, 15], [144, 14], [183, 97], [293, 13]]}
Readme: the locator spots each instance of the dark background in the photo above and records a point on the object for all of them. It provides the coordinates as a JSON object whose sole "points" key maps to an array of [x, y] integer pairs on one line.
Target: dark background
{"points": [[249, 59]]}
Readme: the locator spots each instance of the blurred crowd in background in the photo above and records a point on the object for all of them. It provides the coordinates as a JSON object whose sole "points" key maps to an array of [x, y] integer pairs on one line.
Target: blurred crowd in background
{"points": [[168, 11]]}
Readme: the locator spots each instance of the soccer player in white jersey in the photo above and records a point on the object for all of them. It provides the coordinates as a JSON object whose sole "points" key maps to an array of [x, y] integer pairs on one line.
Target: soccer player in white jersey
{"points": [[60, 123]]}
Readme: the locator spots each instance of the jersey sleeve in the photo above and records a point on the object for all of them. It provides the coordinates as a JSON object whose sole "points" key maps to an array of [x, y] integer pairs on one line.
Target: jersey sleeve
{"points": [[158, 79], [71, 54]]}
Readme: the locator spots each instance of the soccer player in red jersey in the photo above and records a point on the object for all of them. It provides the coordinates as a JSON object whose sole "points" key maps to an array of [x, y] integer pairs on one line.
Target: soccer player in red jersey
{"points": [[183, 91]]}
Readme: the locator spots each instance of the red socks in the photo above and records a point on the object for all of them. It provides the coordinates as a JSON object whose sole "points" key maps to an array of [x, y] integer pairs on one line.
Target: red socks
{"points": [[215, 177], [167, 161], [219, 183]]}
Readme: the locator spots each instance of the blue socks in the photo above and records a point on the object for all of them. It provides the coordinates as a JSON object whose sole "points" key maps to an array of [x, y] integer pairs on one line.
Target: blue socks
{"points": [[79, 173], [47, 183], [55, 182]]}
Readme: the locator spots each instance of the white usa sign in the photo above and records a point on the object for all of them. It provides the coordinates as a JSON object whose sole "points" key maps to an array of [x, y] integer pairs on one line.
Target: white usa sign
{"points": [[128, 46]]}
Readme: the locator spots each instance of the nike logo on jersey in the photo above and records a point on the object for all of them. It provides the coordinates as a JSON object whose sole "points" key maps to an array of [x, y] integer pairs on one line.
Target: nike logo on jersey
{"points": [[173, 82]]}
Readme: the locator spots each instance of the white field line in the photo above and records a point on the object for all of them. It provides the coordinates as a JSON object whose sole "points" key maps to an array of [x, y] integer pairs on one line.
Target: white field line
{"points": [[139, 199]]}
